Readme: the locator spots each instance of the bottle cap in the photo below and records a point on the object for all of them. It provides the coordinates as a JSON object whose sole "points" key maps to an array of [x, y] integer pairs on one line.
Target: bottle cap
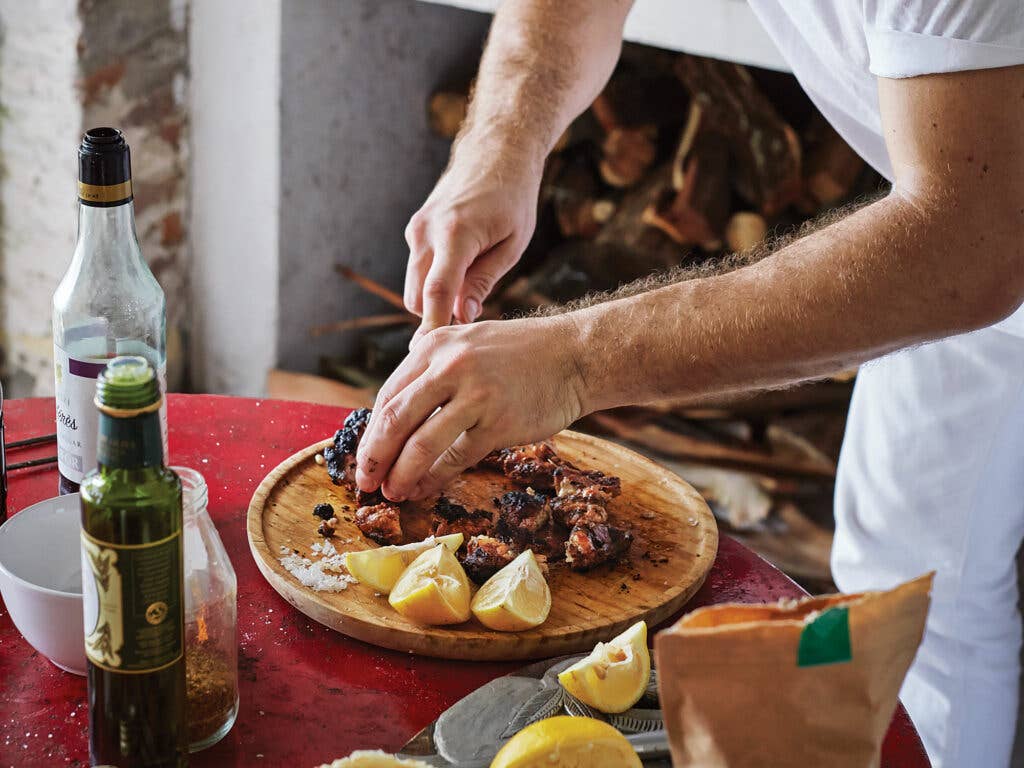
{"points": [[127, 387], [104, 168]]}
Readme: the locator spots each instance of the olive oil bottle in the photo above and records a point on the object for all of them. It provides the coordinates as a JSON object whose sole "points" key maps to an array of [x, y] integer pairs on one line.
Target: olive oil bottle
{"points": [[132, 579]]}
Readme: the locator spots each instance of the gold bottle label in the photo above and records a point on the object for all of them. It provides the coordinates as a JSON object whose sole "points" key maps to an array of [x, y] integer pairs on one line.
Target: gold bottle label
{"points": [[132, 602]]}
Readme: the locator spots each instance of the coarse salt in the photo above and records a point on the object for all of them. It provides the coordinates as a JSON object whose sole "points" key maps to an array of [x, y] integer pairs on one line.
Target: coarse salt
{"points": [[323, 575]]}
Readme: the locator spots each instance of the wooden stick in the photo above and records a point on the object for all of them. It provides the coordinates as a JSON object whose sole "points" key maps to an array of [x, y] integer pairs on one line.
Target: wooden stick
{"points": [[356, 323], [371, 286]]}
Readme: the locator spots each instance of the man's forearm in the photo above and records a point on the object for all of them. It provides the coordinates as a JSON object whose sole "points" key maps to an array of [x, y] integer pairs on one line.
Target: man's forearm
{"points": [[878, 280], [545, 62]]}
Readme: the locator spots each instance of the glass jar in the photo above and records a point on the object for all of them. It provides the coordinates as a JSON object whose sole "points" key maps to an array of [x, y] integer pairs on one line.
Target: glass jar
{"points": [[211, 645]]}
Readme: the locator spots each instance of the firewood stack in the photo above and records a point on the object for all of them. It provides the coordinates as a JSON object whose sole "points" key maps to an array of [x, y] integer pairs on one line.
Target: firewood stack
{"points": [[682, 160]]}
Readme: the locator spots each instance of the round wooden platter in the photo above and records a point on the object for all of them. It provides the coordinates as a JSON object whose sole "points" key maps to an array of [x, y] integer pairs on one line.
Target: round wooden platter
{"points": [[675, 541]]}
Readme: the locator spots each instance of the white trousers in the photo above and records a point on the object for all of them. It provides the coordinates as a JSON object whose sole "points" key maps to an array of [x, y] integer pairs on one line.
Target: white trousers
{"points": [[931, 477]]}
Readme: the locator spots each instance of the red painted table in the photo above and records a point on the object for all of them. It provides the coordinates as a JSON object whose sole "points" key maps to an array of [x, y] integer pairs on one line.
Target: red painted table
{"points": [[308, 694]]}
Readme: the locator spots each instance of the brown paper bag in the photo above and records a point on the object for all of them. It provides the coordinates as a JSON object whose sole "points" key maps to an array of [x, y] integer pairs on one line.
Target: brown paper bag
{"points": [[802, 684]]}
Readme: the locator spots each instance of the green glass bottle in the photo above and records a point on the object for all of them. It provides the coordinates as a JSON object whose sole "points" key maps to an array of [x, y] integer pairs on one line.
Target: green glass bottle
{"points": [[132, 579]]}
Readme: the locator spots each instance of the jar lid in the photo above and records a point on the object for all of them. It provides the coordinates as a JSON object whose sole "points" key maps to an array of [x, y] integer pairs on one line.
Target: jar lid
{"points": [[193, 491]]}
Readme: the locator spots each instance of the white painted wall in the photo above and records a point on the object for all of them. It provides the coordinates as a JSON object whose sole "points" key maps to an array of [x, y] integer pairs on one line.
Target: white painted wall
{"points": [[723, 29], [39, 134], [235, 61]]}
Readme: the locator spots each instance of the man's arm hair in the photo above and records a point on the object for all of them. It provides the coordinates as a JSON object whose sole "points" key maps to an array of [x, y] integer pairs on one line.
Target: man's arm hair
{"points": [[544, 63], [941, 254]]}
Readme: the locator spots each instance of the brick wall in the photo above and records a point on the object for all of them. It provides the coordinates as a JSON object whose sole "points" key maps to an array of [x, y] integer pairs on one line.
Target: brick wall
{"points": [[65, 66]]}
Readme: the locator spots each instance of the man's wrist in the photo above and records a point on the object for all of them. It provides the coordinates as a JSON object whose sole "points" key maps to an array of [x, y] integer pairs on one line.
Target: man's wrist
{"points": [[501, 142]]}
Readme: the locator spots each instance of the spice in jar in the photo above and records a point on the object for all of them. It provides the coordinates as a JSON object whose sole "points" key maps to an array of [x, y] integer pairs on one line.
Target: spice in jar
{"points": [[210, 684]]}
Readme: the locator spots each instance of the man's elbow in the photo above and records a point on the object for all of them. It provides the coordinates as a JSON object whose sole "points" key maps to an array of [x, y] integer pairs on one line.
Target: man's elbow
{"points": [[995, 286]]}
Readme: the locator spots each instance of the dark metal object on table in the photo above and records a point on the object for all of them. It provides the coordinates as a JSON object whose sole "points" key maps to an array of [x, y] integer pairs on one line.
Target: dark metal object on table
{"points": [[32, 463], [28, 441], [470, 733]]}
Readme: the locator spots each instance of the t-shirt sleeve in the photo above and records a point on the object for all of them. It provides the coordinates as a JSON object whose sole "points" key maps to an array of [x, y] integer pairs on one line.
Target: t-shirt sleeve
{"points": [[919, 37]]}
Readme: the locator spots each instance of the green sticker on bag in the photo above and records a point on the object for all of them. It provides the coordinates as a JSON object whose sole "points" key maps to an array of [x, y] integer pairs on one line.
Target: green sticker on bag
{"points": [[826, 640]]}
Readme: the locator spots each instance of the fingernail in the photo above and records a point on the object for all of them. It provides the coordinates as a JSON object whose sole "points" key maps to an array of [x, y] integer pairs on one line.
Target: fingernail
{"points": [[472, 309]]}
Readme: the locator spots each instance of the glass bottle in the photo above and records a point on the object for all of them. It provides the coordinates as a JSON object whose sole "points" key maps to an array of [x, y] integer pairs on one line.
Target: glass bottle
{"points": [[107, 304], [134, 606], [211, 644]]}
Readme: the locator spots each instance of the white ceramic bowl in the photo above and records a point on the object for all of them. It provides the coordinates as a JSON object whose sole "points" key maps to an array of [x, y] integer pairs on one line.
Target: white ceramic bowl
{"points": [[41, 579]]}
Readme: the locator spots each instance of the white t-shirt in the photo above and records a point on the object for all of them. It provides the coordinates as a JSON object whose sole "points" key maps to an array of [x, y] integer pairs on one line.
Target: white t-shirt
{"points": [[837, 48]]}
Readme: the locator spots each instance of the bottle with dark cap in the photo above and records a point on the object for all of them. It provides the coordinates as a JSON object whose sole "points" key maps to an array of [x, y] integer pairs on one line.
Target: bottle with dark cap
{"points": [[132, 585], [108, 303]]}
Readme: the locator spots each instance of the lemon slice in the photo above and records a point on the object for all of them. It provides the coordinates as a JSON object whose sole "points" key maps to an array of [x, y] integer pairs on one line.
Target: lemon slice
{"points": [[515, 598], [373, 759], [380, 568], [615, 675], [567, 742], [433, 589]]}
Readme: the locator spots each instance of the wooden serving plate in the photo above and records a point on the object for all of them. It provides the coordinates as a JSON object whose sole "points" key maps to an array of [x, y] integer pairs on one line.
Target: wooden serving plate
{"points": [[675, 541]]}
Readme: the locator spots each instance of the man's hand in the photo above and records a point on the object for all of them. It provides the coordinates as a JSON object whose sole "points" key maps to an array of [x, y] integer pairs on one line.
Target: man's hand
{"points": [[545, 62], [464, 391], [471, 231]]}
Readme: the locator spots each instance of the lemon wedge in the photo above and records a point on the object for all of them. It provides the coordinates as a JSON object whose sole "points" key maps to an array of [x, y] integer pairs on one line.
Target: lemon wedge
{"points": [[567, 742], [615, 675], [515, 598], [433, 589], [373, 759], [380, 568]]}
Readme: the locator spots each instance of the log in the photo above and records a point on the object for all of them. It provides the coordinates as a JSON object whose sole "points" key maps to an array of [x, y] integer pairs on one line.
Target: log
{"points": [[446, 112], [627, 154], [744, 230], [695, 212], [578, 208], [764, 148], [635, 99], [639, 247], [833, 169], [370, 285], [361, 323], [789, 456]]}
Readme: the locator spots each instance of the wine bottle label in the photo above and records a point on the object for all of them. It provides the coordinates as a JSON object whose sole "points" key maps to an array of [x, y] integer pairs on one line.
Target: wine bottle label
{"points": [[77, 417], [131, 595]]}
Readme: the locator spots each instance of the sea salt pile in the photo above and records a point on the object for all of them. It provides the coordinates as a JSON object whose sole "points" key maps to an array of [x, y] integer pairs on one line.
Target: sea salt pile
{"points": [[326, 574]]}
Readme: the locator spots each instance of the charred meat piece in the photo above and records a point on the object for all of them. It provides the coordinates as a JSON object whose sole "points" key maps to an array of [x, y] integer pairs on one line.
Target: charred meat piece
{"points": [[485, 556], [521, 514], [323, 511], [590, 545], [533, 465], [576, 510], [327, 526], [549, 541], [369, 498], [571, 481], [380, 522], [455, 518], [341, 455], [494, 460]]}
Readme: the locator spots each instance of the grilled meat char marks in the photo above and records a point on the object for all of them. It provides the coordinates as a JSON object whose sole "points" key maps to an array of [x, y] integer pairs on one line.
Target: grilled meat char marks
{"points": [[454, 518], [590, 545], [531, 465], [381, 523], [376, 517], [341, 455], [485, 556], [521, 515]]}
